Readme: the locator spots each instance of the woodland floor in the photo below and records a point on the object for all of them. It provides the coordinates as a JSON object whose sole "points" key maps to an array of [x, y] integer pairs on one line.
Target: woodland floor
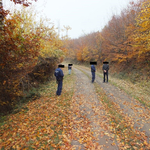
{"points": [[90, 116]]}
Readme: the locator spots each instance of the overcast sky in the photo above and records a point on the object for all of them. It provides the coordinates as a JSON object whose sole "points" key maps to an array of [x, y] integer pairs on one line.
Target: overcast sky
{"points": [[83, 16]]}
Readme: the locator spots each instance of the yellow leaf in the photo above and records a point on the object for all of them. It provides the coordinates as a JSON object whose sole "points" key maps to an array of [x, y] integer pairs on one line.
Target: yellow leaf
{"points": [[53, 145], [4, 82], [113, 144], [145, 143], [80, 141]]}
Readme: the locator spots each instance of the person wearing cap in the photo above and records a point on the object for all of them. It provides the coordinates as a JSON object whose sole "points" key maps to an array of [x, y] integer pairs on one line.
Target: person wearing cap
{"points": [[59, 79], [93, 70], [105, 69]]}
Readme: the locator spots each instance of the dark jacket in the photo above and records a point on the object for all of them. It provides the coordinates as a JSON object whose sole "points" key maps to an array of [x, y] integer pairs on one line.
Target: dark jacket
{"points": [[105, 67], [93, 68], [69, 67], [59, 74]]}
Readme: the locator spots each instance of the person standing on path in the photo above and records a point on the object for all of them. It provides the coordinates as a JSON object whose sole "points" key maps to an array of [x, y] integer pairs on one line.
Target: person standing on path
{"points": [[69, 68], [105, 69], [59, 79], [93, 70]]}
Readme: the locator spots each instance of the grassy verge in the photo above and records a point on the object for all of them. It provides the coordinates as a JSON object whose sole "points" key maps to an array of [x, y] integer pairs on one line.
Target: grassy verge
{"points": [[139, 91], [41, 126], [121, 125]]}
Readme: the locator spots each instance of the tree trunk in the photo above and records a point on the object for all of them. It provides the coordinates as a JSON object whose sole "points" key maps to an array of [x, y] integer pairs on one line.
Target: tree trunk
{"points": [[1, 15]]}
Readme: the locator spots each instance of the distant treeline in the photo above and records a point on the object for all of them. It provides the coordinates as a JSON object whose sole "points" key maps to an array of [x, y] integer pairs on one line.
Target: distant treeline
{"points": [[124, 41]]}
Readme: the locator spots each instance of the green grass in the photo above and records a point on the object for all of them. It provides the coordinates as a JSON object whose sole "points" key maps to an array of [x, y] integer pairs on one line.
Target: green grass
{"points": [[139, 91]]}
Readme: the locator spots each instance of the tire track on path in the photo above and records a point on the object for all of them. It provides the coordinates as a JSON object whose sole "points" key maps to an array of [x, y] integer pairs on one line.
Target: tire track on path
{"points": [[139, 114], [92, 109]]}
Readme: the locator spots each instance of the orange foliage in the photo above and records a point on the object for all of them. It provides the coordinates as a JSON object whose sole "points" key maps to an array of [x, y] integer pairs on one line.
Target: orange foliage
{"points": [[124, 38], [23, 46], [18, 55]]}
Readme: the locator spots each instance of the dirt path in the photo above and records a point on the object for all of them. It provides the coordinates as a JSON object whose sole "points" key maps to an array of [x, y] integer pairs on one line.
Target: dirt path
{"points": [[91, 109], [76, 120], [129, 106]]}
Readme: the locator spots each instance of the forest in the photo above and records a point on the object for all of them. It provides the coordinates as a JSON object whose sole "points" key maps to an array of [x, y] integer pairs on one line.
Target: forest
{"points": [[29, 53], [124, 42], [31, 50]]}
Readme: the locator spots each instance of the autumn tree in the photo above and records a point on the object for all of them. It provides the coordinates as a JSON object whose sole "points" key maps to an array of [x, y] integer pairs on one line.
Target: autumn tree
{"points": [[141, 42], [19, 51], [86, 48], [124, 41], [1, 15], [71, 52], [26, 45], [23, 2]]}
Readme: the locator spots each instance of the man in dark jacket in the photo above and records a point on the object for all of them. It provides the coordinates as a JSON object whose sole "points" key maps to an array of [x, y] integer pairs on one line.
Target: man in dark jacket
{"points": [[59, 77], [93, 70], [105, 69]]}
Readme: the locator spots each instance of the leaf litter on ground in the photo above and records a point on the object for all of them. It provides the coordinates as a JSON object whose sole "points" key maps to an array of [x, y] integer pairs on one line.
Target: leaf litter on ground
{"points": [[122, 124], [54, 122], [41, 127]]}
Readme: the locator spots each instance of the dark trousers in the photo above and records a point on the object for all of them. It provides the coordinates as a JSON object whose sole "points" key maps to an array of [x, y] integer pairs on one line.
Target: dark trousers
{"points": [[105, 75], [59, 88], [93, 76]]}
